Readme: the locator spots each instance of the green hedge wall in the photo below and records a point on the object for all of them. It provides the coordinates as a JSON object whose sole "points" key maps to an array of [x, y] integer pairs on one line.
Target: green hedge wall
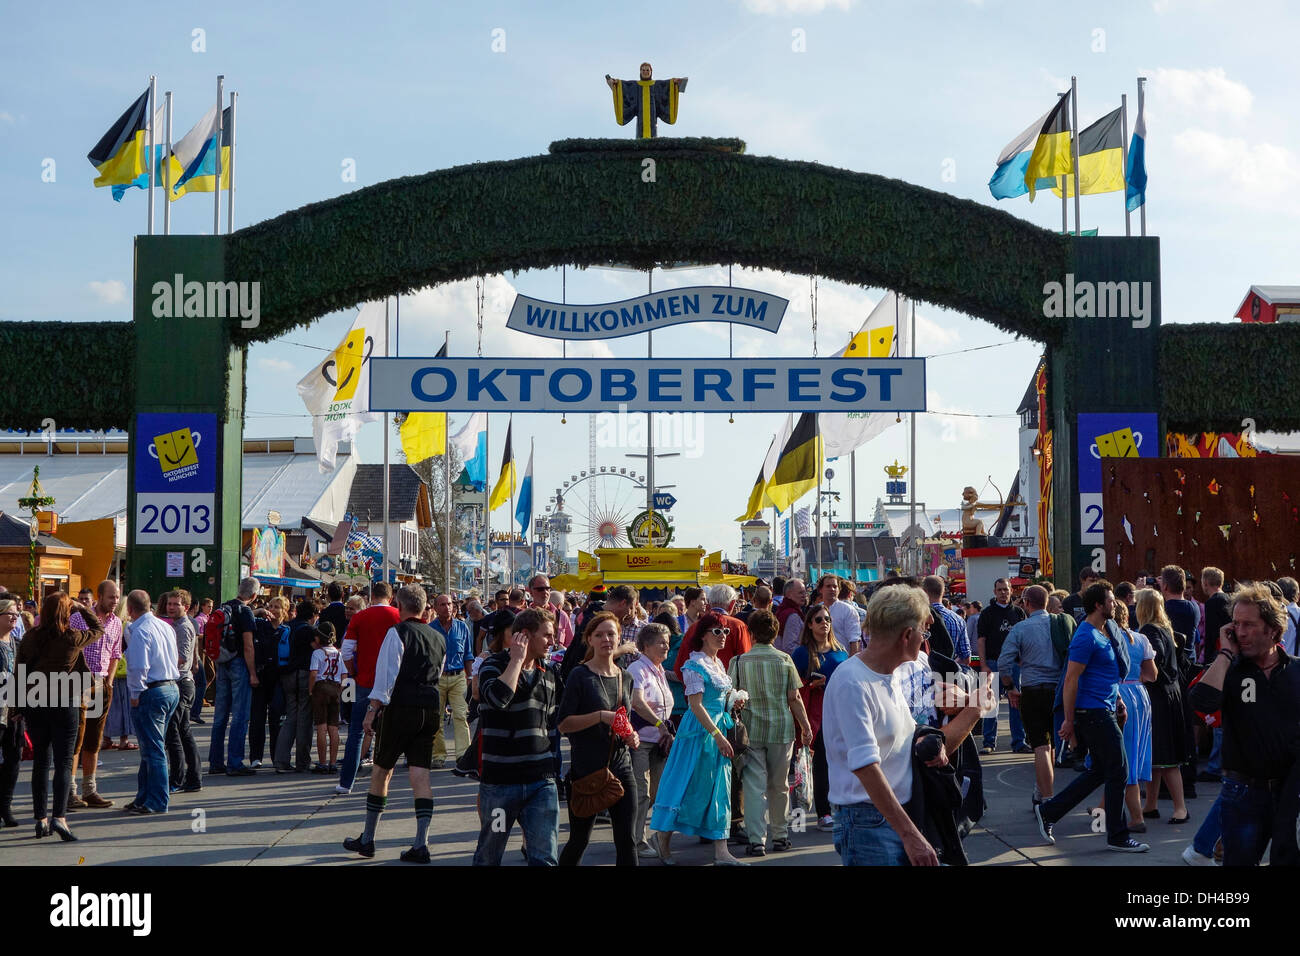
{"points": [[587, 204], [1216, 374], [78, 373]]}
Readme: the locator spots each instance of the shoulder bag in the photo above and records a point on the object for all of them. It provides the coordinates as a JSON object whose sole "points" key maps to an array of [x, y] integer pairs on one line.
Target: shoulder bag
{"points": [[599, 790], [738, 733]]}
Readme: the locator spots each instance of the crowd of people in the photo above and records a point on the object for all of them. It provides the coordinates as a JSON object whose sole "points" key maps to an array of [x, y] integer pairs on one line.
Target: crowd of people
{"points": [[729, 717]]}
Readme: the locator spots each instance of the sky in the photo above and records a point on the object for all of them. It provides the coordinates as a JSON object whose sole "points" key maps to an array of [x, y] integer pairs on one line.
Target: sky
{"points": [[927, 91]]}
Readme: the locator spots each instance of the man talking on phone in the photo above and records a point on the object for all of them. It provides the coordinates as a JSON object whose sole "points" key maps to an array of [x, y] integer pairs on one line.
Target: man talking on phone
{"points": [[1256, 686]]}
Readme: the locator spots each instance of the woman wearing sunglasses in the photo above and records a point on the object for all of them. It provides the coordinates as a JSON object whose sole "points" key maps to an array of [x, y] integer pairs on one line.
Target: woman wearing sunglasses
{"points": [[816, 658], [694, 794]]}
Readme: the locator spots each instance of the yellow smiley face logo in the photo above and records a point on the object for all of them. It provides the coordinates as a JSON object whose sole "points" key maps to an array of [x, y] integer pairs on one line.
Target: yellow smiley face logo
{"points": [[176, 450], [346, 361]]}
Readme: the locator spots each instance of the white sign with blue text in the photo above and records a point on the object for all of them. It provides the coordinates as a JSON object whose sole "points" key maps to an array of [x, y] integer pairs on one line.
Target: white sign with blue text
{"points": [[647, 385], [645, 313]]}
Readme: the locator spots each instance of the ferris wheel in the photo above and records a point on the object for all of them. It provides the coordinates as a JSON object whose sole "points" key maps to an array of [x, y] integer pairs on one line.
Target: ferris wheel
{"points": [[596, 506]]}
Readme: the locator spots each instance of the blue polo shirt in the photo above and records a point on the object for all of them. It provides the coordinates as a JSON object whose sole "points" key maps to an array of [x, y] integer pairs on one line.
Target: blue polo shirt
{"points": [[457, 639], [1099, 682]]}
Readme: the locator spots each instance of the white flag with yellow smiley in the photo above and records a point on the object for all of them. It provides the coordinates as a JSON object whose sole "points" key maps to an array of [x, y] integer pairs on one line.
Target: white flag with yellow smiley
{"points": [[337, 391]]}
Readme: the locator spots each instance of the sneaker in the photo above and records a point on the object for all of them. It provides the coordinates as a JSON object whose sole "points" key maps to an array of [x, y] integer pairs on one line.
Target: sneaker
{"points": [[355, 845], [416, 854], [964, 826], [439, 763], [256, 764], [342, 790], [1044, 828], [96, 801], [76, 803], [1192, 858], [241, 772], [472, 774], [192, 787], [826, 824], [988, 749], [216, 770], [756, 849], [646, 852], [367, 762], [1129, 845], [781, 845], [1022, 749], [197, 720]]}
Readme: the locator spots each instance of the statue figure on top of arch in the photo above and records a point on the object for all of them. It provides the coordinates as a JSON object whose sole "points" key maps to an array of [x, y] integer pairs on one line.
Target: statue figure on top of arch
{"points": [[646, 100]]}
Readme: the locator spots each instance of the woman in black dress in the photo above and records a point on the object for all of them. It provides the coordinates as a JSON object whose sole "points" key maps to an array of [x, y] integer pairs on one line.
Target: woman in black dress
{"points": [[593, 692], [1168, 727]]}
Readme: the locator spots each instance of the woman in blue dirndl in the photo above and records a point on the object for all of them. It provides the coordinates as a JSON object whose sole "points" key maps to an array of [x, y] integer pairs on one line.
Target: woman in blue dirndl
{"points": [[695, 789]]}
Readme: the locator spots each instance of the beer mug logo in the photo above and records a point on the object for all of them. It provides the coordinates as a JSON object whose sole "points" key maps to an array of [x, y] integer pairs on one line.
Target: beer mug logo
{"points": [[1123, 443], [346, 360], [175, 450]]}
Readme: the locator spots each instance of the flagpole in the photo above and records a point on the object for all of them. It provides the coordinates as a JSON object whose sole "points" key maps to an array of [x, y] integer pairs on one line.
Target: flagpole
{"points": [[230, 193], [1065, 203], [216, 216], [166, 170], [1142, 95], [487, 491], [1123, 138], [853, 516], [446, 454], [1074, 151], [149, 164], [384, 566], [911, 505], [818, 511]]}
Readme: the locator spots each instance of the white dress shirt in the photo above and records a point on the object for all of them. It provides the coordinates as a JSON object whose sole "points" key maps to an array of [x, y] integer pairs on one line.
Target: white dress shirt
{"points": [[150, 654]]}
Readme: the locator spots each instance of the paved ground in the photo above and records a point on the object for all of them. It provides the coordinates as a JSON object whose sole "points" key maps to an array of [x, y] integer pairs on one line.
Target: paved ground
{"points": [[296, 819]]}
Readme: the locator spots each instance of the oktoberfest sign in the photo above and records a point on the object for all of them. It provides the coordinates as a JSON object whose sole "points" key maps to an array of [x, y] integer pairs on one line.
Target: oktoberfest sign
{"points": [[647, 385], [645, 313]]}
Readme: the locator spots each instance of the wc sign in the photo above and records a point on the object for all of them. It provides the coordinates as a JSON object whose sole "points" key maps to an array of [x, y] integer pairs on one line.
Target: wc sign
{"points": [[1102, 436]]}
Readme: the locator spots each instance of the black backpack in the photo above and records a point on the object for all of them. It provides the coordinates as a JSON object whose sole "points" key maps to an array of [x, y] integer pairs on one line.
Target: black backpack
{"points": [[266, 645]]}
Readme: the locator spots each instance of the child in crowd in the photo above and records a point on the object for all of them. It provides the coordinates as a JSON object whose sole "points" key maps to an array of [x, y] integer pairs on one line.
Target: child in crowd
{"points": [[325, 685]]}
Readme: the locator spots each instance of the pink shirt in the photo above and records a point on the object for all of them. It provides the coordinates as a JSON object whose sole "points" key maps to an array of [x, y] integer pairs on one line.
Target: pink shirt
{"points": [[563, 626], [101, 654]]}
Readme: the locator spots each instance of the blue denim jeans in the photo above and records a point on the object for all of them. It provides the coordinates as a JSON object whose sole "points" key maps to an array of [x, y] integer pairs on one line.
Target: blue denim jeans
{"points": [[1098, 731], [1013, 713], [231, 705], [151, 715], [352, 746], [537, 808], [200, 688], [1247, 814], [1211, 829], [1215, 763], [863, 837]]}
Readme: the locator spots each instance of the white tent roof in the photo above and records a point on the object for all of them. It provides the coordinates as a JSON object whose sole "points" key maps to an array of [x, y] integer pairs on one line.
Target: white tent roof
{"points": [[93, 485]]}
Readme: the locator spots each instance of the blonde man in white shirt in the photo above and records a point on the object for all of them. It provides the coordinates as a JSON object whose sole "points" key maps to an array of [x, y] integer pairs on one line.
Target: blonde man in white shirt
{"points": [[867, 727]]}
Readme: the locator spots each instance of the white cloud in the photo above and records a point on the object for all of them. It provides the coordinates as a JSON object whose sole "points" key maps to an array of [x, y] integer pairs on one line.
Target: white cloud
{"points": [[1058, 84], [451, 307], [1194, 94], [1262, 170], [275, 365], [6, 117], [769, 7], [112, 292]]}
